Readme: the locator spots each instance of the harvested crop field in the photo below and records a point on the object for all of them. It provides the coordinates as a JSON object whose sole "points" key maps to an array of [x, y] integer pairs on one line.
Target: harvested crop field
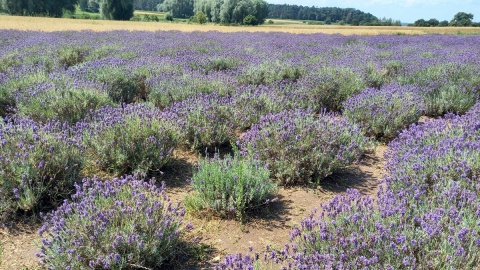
{"points": [[285, 26]]}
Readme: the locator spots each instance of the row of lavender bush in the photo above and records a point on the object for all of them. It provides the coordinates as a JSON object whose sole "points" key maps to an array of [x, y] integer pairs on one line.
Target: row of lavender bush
{"points": [[119, 103], [319, 71], [426, 216]]}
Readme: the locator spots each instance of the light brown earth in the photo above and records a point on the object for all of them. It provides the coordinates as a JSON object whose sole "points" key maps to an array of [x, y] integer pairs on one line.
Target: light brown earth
{"points": [[288, 26]]}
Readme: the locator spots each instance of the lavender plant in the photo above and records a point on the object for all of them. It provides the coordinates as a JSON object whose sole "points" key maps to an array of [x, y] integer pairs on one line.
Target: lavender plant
{"points": [[65, 104], [166, 89], [269, 72], [39, 164], [208, 120], [7, 102], [232, 185], [123, 223], [383, 113], [251, 102], [72, 55], [450, 87], [135, 138], [329, 87], [299, 146], [122, 84]]}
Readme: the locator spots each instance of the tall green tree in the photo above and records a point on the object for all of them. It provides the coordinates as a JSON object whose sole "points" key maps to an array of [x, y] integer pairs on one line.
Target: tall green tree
{"points": [[117, 9], [52, 8], [233, 11], [89, 5], [83, 5], [462, 19], [147, 4], [178, 8]]}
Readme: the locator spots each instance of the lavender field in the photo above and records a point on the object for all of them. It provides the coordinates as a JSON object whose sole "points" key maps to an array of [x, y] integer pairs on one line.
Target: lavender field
{"points": [[88, 118]]}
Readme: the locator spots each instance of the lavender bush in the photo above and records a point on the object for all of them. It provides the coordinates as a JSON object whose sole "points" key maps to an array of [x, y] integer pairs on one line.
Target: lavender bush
{"points": [[72, 55], [269, 72], [383, 113], [450, 87], [329, 87], [135, 138], [208, 120], [65, 104], [123, 223], [39, 164], [232, 185], [122, 84], [298, 146], [166, 89], [251, 102]]}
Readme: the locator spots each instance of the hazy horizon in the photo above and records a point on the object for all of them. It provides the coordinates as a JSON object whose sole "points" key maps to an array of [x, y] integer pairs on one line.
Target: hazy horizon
{"points": [[407, 11]]}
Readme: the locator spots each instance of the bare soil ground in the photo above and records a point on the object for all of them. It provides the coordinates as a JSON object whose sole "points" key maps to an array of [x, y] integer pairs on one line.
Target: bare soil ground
{"points": [[221, 237]]}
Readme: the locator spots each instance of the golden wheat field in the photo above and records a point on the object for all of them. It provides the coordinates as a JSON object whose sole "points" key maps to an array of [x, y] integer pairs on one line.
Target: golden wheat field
{"points": [[296, 27]]}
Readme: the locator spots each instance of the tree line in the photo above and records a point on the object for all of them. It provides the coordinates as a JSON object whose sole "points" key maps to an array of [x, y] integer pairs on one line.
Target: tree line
{"points": [[459, 19], [327, 15], [250, 12], [50, 8]]}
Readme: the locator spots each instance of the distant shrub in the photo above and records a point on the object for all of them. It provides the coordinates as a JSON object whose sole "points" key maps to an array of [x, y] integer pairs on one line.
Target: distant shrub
{"points": [[137, 18], [250, 20], [38, 165], [383, 113], [200, 18], [270, 22], [329, 87], [208, 120], [147, 18], [121, 223], [298, 146], [169, 17], [135, 138], [64, 104], [233, 185]]}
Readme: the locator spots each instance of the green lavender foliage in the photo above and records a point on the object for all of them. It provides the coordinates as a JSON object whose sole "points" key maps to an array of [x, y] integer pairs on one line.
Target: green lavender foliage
{"points": [[230, 186]]}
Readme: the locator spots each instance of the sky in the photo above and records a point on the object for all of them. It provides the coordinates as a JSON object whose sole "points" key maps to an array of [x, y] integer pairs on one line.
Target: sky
{"points": [[407, 11]]}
